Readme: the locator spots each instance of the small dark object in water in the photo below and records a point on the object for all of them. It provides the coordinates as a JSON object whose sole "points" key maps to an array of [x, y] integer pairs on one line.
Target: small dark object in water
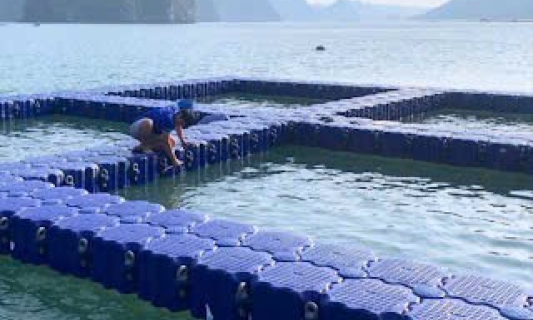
{"points": [[320, 48], [326, 119]]}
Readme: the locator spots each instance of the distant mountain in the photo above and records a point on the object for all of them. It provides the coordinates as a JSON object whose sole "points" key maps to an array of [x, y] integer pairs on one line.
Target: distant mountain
{"points": [[48, 11], [294, 10], [11, 10], [109, 11], [483, 9], [341, 10], [165, 11], [98, 11]]}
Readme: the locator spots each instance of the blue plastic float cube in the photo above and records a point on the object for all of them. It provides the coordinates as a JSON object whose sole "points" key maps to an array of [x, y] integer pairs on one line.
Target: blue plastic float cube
{"points": [[6, 179], [142, 169], [180, 92], [54, 176], [158, 93], [130, 113], [165, 266], [235, 143], [187, 91], [9, 207], [306, 133], [222, 281], [335, 137], [424, 279], [510, 299], [176, 221], [243, 135], [364, 140], [283, 246], [44, 161], [452, 309], [217, 148], [112, 174], [97, 200], [121, 150], [74, 156], [133, 211], [229, 144], [172, 92], [259, 140], [115, 255], [464, 152], [367, 299], [430, 148], [291, 291], [193, 155], [7, 167], [397, 144], [69, 242], [113, 112], [259, 136], [349, 261], [64, 105], [80, 175], [58, 193], [30, 228], [22, 188], [225, 233], [98, 110], [506, 155]]}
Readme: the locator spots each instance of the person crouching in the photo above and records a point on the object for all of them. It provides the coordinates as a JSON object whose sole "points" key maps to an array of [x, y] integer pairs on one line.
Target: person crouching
{"points": [[153, 129]]}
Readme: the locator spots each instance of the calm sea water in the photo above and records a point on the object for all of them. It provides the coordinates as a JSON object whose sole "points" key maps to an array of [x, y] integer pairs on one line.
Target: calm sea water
{"points": [[495, 56], [479, 121], [472, 219], [21, 139], [469, 220], [38, 293]]}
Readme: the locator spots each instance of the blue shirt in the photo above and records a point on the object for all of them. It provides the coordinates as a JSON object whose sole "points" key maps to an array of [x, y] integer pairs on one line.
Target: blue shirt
{"points": [[163, 118]]}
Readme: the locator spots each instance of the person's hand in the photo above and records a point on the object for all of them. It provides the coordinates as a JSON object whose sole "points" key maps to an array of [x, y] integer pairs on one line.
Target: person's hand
{"points": [[176, 165]]}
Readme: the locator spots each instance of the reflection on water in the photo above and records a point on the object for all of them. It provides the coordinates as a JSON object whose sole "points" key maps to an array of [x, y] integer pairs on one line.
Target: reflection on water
{"points": [[467, 120], [251, 100], [20, 139], [466, 219]]}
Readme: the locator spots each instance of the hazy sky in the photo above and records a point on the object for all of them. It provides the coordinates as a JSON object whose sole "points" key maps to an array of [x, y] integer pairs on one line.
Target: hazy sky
{"points": [[422, 3]]}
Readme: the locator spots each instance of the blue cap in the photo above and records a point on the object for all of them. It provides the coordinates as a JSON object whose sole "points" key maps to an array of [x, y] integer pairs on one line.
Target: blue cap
{"points": [[185, 104]]}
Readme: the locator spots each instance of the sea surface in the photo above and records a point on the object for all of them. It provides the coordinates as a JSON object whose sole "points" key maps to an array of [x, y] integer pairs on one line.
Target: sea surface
{"points": [[464, 219], [487, 56], [468, 220], [20, 139], [475, 120]]}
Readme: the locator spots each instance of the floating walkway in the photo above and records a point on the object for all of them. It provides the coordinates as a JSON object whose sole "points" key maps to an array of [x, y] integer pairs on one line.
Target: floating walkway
{"points": [[58, 210]]}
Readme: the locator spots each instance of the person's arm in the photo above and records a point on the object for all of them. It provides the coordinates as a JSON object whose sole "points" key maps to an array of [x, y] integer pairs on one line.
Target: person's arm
{"points": [[169, 150], [179, 131]]}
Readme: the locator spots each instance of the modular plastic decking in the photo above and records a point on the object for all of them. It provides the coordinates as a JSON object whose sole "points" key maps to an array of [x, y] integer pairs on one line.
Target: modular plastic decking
{"points": [[58, 210]]}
